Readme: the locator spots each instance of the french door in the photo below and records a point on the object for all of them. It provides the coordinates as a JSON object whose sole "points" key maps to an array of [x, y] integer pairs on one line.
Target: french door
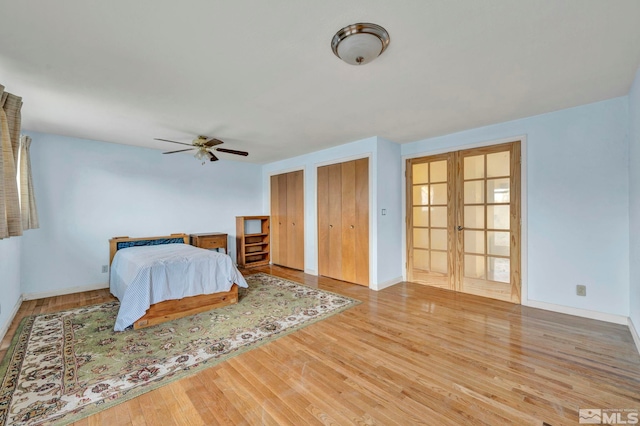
{"points": [[463, 221]]}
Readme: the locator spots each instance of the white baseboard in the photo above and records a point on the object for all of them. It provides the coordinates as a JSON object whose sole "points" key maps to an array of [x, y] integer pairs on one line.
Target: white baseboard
{"points": [[311, 272], [585, 313], [634, 334], [6, 326], [62, 291], [388, 283]]}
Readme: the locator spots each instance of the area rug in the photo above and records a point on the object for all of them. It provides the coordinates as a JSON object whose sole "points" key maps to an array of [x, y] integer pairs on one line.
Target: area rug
{"points": [[67, 365]]}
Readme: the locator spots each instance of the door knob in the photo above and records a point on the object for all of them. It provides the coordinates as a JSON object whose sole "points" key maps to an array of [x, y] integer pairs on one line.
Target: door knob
{"points": [[330, 226], [352, 227], [460, 228]]}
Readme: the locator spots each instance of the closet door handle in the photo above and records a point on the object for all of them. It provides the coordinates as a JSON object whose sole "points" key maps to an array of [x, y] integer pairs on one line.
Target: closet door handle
{"points": [[352, 226], [330, 226]]}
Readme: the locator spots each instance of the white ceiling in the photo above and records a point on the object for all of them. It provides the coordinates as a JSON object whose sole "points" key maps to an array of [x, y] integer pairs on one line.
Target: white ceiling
{"points": [[261, 75]]}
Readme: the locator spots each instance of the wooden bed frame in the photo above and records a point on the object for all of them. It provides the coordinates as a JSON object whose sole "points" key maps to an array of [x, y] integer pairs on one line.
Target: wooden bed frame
{"points": [[172, 309]]}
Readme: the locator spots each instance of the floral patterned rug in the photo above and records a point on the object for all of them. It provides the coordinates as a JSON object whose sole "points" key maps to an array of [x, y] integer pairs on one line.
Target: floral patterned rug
{"points": [[67, 365]]}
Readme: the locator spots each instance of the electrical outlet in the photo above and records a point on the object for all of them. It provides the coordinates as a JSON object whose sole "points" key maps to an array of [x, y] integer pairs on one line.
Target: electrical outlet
{"points": [[105, 269], [581, 290]]}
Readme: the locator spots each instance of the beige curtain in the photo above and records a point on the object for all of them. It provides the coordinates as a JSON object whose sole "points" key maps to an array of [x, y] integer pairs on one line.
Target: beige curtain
{"points": [[10, 214], [27, 199]]}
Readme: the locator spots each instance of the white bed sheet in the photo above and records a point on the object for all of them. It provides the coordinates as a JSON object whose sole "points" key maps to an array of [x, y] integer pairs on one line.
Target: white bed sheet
{"points": [[142, 276]]}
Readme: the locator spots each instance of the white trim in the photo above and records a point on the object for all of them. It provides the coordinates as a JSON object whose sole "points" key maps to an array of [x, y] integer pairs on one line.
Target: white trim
{"points": [[373, 219], [311, 272], [584, 313], [634, 334], [524, 223], [455, 148], [389, 283], [358, 156], [403, 213], [63, 291], [287, 170], [6, 326]]}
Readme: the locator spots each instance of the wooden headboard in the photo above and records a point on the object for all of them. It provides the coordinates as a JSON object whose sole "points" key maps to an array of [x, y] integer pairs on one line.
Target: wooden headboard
{"points": [[117, 243]]}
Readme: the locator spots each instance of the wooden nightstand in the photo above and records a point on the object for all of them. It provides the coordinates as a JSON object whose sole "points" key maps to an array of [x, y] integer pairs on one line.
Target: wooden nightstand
{"points": [[211, 240]]}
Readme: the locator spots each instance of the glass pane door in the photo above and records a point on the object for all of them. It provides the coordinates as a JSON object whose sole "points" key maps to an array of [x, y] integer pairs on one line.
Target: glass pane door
{"points": [[463, 221], [487, 220], [429, 198]]}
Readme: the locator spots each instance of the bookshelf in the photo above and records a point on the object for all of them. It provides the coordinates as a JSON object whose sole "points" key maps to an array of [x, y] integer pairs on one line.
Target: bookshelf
{"points": [[252, 240]]}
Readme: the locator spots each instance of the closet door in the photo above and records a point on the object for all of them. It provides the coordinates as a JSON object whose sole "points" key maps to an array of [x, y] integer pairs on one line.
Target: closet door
{"points": [[276, 220], [330, 221], [463, 221], [343, 221], [287, 218], [295, 220]]}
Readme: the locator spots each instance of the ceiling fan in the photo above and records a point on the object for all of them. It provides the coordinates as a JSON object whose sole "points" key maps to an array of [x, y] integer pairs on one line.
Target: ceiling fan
{"points": [[204, 145]]}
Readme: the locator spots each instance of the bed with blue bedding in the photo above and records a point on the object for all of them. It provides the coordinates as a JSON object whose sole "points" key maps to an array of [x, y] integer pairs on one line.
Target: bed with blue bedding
{"points": [[157, 279]]}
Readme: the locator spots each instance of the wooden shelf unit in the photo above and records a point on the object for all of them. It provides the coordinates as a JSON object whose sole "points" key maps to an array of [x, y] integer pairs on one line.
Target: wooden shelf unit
{"points": [[253, 248]]}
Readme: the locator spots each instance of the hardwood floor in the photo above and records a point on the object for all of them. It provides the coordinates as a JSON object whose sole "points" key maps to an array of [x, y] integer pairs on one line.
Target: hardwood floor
{"points": [[409, 354]]}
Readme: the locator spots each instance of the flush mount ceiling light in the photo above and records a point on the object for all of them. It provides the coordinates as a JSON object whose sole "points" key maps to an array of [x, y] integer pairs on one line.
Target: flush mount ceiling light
{"points": [[359, 44]]}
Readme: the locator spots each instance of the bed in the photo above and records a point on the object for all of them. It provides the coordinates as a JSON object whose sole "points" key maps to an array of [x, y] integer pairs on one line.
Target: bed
{"points": [[158, 279]]}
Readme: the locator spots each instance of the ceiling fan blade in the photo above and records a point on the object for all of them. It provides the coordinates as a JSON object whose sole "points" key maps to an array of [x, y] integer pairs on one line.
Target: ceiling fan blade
{"points": [[211, 156], [167, 140], [232, 151], [212, 142], [180, 150]]}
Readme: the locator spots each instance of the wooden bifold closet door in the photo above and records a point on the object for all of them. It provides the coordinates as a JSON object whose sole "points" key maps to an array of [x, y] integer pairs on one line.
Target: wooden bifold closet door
{"points": [[287, 220], [343, 221], [463, 221]]}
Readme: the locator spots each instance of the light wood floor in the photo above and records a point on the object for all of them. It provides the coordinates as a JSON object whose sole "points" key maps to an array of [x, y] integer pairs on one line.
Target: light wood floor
{"points": [[407, 355]]}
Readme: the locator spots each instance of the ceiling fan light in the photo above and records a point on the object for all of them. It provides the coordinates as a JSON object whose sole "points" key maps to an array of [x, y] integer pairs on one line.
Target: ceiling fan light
{"points": [[201, 154], [203, 146], [359, 44]]}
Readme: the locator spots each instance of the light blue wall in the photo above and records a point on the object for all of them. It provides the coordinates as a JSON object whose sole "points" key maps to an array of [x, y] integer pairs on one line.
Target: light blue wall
{"points": [[576, 177], [634, 200], [381, 186], [10, 278], [391, 225], [582, 206], [88, 192]]}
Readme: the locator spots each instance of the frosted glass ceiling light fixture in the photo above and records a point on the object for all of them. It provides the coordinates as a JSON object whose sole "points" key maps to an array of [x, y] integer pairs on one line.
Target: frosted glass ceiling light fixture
{"points": [[359, 44]]}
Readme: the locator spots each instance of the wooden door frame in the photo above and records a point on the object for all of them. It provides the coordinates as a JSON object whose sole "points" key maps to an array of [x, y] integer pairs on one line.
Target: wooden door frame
{"points": [[524, 300]]}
